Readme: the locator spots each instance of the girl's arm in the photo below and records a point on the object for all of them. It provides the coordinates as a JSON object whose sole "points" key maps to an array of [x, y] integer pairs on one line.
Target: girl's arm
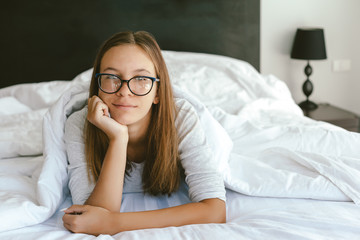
{"points": [[109, 186], [95, 220]]}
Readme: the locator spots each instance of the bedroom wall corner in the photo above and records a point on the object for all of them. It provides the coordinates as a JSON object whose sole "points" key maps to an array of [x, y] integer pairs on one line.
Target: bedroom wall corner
{"points": [[340, 20]]}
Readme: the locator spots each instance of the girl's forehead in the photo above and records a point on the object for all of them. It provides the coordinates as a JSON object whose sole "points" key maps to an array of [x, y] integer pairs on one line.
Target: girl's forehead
{"points": [[128, 57]]}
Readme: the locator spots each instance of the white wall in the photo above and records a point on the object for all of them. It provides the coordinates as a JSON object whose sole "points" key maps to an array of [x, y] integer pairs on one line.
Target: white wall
{"points": [[341, 22]]}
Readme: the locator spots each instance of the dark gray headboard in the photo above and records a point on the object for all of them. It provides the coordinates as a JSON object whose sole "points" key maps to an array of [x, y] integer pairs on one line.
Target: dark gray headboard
{"points": [[56, 40]]}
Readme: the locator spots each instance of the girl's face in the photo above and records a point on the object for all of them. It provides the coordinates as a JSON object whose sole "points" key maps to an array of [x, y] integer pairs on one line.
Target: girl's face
{"points": [[128, 61]]}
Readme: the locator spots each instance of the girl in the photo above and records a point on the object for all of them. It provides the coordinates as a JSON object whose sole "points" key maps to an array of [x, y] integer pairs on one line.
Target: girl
{"points": [[135, 135]]}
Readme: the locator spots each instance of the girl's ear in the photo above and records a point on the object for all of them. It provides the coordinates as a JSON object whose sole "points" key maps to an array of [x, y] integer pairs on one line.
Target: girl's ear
{"points": [[156, 99]]}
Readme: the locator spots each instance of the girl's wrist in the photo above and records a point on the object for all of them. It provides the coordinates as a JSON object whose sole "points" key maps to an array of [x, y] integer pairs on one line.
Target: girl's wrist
{"points": [[115, 222], [119, 135], [119, 139]]}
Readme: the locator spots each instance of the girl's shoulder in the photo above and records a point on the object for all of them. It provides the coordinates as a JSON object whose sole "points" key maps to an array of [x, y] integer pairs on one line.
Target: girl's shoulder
{"points": [[183, 106], [75, 122], [78, 116], [186, 115]]}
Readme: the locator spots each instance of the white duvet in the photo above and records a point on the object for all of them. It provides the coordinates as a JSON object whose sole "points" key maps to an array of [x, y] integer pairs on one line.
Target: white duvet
{"points": [[264, 145]]}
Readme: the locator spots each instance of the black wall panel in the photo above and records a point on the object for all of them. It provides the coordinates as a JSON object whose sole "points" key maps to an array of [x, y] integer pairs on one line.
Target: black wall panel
{"points": [[55, 40]]}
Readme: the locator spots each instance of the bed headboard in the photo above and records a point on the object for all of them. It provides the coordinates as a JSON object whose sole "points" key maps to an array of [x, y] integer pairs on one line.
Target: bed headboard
{"points": [[56, 40]]}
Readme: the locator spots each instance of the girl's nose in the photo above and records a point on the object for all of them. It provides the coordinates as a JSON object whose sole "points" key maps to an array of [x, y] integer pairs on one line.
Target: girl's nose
{"points": [[124, 90]]}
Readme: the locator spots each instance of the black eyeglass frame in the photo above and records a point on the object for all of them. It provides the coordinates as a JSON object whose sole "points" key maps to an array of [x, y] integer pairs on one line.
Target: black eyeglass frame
{"points": [[98, 75]]}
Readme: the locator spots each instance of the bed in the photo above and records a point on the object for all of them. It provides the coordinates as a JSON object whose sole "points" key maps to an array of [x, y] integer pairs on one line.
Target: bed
{"points": [[286, 176]]}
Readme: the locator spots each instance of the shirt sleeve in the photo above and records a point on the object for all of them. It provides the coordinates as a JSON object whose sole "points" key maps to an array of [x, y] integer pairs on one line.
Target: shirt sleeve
{"points": [[79, 183], [197, 158]]}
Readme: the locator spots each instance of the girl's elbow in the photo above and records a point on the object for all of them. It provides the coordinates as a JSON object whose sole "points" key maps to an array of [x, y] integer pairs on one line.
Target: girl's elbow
{"points": [[221, 214], [217, 210]]}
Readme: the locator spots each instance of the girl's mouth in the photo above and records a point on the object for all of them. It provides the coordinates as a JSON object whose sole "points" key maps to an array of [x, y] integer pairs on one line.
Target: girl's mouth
{"points": [[124, 106]]}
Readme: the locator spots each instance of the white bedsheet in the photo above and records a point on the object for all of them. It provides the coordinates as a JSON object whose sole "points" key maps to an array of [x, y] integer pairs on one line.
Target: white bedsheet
{"points": [[253, 218], [275, 152]]}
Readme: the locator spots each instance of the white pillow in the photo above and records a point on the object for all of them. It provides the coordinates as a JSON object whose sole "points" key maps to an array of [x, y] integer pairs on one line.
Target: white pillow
{"points": [[10, 105]]}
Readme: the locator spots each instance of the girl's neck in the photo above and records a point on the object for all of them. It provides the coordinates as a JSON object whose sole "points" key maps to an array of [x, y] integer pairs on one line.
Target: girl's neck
{"points": [[138, 131], [137, 136], [137, 145]]}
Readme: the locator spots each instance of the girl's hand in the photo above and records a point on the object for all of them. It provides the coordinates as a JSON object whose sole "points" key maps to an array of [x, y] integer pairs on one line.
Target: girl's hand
{"points": [[89, 219], [98, 114]]}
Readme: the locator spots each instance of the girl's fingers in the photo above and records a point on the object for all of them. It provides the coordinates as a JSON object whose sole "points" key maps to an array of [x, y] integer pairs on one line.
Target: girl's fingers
{"points": [[96, 109], [94, 100], [67, 226], [106, 112], [75, 209]]}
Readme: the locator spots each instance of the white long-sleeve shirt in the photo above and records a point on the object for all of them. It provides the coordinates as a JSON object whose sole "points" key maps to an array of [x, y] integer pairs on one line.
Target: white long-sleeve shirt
{"points": [[202, 178]]}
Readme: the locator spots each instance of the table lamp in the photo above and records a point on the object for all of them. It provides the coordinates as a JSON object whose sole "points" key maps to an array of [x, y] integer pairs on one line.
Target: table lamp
{"points": [[309, 44]]}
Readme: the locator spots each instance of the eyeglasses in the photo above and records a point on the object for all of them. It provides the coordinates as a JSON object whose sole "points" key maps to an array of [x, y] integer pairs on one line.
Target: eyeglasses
{"points": [[139, 85]]}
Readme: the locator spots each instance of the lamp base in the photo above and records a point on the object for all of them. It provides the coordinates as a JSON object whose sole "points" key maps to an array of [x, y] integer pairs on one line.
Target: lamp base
{"points": [[308, 105]]}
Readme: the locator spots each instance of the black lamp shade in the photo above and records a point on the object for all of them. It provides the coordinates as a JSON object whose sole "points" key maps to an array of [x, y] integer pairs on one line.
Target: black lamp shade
{"points": [[309, 44]]}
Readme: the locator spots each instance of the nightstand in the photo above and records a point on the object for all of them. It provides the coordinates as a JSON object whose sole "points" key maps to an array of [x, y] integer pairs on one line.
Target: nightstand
{"points": [[334, 115]]}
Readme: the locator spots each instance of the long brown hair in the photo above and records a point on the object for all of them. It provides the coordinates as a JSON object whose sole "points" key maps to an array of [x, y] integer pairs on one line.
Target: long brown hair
{"points": [[162, 169]]}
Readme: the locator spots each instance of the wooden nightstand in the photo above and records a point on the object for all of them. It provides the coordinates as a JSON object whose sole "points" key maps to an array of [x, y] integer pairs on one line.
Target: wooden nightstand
{"points": [[336, 116]]}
